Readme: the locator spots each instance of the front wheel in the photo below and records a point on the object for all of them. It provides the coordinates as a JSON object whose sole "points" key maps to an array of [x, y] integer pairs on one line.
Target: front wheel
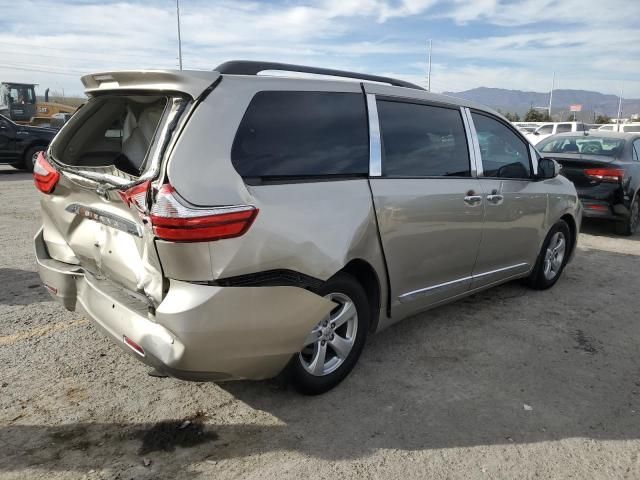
{"points": [[552, 258], [333, 346]]}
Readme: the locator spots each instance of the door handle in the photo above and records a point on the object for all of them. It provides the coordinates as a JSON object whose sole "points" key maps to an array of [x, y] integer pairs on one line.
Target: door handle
{"points": [[473, 200], [495, 199]]}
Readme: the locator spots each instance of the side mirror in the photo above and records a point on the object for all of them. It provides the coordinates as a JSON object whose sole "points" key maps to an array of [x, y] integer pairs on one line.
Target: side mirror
{"points": [[535, 132], [548, 168]]}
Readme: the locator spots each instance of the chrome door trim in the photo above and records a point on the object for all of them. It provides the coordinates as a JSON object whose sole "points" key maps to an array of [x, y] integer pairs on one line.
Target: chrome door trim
{"points": [[375, 144], [105, 218], [470, 145], [409, 296], [412, 295], [499, 270], [476, 144]]}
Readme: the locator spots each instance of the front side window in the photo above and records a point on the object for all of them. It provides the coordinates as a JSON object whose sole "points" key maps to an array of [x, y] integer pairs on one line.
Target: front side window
{"points": [[563, 128], [504, 154], [422, 141], [302, 134], [545, 130], [636, 150]]}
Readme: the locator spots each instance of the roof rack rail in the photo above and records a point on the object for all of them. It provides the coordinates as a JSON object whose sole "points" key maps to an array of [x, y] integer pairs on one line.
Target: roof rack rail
{"points": [[249, 67]]}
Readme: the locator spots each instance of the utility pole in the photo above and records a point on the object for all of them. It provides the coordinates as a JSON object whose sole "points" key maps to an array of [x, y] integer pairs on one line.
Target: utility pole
{"points": [[179, 38], [429, 74], [553, 84], [619, 108]]}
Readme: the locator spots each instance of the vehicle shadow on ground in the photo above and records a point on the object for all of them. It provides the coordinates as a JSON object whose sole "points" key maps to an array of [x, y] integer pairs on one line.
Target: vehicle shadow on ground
{"points": [[604, 228], [506, 366], [11, 174], [21, 287]]}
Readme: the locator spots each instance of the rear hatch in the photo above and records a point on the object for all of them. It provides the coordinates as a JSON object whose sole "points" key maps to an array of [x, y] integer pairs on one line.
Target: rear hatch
{"points": [[107, 156]]}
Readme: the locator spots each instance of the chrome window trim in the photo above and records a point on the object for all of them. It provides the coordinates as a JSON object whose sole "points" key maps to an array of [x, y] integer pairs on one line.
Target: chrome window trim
{"points": [[534, 158], [412, 295], [476, 145], [470, 145], [375, 143]]}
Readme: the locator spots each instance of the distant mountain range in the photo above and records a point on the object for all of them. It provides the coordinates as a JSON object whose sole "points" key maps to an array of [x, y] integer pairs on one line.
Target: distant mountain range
{"points": [[517, 101]]}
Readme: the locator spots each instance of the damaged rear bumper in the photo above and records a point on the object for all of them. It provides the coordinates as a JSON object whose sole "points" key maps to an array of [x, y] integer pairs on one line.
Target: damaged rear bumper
{"points": [[198, 332]]}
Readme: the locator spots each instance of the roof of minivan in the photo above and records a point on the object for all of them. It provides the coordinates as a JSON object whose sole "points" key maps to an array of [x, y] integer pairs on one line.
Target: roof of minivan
{"points": [[191, 82], [195, 82]]}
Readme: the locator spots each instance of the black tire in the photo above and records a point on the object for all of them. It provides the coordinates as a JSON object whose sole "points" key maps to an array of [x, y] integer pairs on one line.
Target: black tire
{"points": [[630, 226], [29, 155], [538, 279], [310, 384]]}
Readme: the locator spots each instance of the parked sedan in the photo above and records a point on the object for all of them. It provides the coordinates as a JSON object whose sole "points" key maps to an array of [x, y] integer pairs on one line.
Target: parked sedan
{"points": [[605, 168]]}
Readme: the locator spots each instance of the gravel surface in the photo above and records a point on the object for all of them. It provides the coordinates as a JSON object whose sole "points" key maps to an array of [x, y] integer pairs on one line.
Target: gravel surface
{"points": [[509, 383]]}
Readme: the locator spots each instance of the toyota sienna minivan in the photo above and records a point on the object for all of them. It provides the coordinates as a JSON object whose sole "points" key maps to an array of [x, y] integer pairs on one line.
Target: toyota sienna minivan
{"points": [[234, 225]]}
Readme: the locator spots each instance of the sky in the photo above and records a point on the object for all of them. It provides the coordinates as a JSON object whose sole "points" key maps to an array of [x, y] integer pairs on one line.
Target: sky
{"points": [[516, 44]]}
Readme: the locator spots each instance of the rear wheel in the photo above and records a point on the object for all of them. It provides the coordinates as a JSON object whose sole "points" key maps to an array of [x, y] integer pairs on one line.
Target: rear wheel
{"points": [[631, 224], [333, 346], [30, 157], [552, 258]]}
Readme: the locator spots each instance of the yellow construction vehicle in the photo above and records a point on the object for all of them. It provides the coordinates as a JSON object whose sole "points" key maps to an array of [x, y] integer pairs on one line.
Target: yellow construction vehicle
{"points": [[18, 102]]}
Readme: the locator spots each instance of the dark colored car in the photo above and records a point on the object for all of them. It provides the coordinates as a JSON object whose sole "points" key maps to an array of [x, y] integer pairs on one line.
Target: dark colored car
{"points": [[20, 144], [605, 169]]}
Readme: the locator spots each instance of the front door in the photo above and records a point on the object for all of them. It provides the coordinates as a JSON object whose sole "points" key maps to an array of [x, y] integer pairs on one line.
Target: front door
{"points": [[7, 141], [428, 205], [515, 204]]}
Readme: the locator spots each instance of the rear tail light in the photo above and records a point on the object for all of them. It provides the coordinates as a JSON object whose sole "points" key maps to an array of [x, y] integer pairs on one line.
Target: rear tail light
{"points": [[605, 174], [174, 221], [44, 175], [136, 196]]}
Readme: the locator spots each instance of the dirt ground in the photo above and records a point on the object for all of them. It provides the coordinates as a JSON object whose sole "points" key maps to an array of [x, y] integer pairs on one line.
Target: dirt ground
{"points": [[509, 383]]}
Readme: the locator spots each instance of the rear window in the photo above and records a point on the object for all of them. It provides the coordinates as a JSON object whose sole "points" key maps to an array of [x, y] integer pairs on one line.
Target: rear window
{"points": [[584, 145], [111, 130], [302, 134], [422, 141]]}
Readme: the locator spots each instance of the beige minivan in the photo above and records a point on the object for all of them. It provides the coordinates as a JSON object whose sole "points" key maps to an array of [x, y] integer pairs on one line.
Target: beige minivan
{"points": [[234, 225]]}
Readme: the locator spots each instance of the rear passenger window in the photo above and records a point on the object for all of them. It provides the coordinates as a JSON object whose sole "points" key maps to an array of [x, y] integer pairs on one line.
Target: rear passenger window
{"points": [[422, 141], [301, 134], [504, 154]]}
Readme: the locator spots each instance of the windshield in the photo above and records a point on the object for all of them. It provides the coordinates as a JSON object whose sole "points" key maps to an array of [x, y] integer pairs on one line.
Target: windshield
{"points": [[20, 95], [586, 145]]}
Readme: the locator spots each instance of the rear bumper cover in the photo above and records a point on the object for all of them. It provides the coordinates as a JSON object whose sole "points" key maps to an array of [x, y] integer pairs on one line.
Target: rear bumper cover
{"points": [[198, 332]]}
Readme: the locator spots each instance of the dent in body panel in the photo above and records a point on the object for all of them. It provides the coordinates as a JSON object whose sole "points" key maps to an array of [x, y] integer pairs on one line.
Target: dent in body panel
{"points": [[246, 332], [126, 259]]}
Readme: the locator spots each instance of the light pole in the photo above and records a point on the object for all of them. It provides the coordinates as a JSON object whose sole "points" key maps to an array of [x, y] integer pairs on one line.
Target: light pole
{"points": [[179, 38], [553, 84], [429, 74]]}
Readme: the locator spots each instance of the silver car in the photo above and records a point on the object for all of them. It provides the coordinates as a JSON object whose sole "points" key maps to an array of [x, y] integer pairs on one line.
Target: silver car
{"points": [[229, 225]]}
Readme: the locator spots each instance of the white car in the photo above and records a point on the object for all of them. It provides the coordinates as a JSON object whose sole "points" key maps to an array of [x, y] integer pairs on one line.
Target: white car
{"points": [[551, 128], [623, 127]]}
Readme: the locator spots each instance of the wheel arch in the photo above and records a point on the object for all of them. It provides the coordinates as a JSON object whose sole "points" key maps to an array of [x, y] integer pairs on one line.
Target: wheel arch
{"points": [[35, 143], [573, 229], [367, 276]]}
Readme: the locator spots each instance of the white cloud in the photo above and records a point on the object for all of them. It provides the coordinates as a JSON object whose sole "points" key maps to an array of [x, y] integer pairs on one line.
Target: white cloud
{"points": [[515, 44]]}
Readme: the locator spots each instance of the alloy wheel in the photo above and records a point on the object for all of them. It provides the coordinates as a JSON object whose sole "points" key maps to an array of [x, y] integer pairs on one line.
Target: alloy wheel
{"points": [[554, 256], [329, 343]]}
